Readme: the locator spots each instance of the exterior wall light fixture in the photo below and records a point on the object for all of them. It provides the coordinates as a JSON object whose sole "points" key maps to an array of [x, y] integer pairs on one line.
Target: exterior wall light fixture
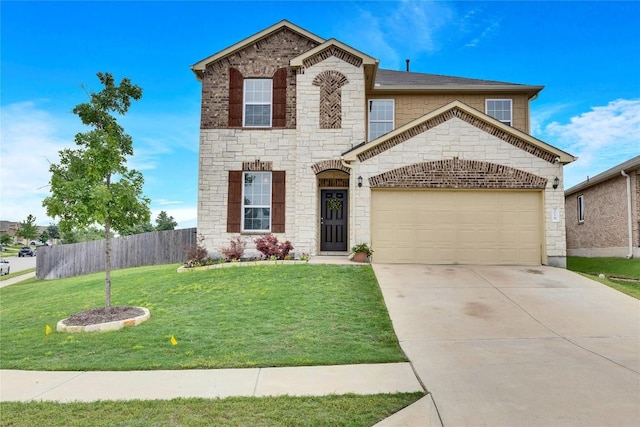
{"points": [[556, 182], [360, 181]]}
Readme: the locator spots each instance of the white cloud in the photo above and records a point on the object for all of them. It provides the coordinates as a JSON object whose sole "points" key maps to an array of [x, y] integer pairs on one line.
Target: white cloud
{"points": [[541, 114], [31, 138], [385, 35], [600, 138]]}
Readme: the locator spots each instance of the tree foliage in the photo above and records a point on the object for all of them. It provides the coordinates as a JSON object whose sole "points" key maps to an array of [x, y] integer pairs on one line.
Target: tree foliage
{"points": [[53, 231], [165, 222], [6, 239], [28, 229], [92, 184]]}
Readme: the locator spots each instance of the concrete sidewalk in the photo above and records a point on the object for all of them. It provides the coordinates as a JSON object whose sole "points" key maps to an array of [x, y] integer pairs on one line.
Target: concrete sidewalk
{"points": [[17, 279], [69, 386]]}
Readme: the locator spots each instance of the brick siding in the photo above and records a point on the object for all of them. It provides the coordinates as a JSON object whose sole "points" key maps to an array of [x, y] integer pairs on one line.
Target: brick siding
{"points": [[260, 59], [456, 173], [604, 231]]}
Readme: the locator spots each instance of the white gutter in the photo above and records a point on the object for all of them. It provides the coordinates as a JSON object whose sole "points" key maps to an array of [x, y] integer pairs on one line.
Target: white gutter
{"points": [[630, 223]]}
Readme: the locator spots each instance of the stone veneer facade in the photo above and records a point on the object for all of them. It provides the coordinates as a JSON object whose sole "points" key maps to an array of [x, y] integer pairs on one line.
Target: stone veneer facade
{"points": [[310, 147], [303, 149], [457, 139]]}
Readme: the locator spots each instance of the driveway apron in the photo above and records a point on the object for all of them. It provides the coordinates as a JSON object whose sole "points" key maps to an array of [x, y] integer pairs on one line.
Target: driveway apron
{"points": [[517, 345]]}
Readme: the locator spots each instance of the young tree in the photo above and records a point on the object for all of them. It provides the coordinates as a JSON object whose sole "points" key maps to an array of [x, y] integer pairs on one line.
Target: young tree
{"points": [[92, 184], [28, 229], [165, 222]]}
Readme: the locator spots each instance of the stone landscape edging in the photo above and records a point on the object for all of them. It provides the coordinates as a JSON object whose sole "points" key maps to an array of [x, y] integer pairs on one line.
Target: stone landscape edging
{"points": [[107, 326]]}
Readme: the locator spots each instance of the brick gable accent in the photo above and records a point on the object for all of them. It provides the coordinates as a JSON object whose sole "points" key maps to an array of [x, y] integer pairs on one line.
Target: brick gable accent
{"points": [[459, 174], [330, 82], [326, 165], [462, 115], [258, 60], [329, 52]]}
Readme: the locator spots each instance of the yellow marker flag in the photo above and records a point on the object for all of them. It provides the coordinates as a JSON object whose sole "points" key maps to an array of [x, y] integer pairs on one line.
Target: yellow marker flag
{"points": [[47, 330], [173, 340]]}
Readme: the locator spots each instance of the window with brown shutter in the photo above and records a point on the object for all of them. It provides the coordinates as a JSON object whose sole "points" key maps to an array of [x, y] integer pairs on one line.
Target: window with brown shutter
{"points": [[280, 98], [234, 202], [236, 83], [278, 197]]}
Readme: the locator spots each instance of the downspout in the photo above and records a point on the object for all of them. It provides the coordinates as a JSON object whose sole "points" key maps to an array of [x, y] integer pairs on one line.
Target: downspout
{"points": [[630, 223]]}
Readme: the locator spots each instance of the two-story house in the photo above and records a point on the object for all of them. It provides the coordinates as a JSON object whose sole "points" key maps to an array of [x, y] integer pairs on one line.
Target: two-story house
{"points": [[310, 140]]}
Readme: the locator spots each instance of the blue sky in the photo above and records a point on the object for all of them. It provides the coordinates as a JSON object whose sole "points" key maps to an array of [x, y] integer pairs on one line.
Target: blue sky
{"points": [[586, 54]]}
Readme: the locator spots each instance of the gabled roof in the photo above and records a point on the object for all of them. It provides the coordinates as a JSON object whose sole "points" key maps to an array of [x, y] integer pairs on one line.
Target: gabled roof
{"points": [[477, 118], [392, 80], [615, 171], [199, 67], [366, 59]]}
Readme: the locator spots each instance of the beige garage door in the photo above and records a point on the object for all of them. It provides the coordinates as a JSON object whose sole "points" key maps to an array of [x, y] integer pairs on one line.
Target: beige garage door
{"points": [[463, 227]]}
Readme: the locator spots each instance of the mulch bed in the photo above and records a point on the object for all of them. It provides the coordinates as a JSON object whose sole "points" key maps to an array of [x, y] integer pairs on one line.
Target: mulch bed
{"points": [[103, 315]]}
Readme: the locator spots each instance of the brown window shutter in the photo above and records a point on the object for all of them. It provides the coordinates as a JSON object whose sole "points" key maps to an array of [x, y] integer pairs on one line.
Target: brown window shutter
{"points": [[278, 197], [234, 202], [280, 98], [236, 86]]}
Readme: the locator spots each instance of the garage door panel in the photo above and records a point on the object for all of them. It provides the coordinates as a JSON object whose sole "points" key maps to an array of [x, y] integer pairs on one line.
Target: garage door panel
{"points": [[447, 227]]}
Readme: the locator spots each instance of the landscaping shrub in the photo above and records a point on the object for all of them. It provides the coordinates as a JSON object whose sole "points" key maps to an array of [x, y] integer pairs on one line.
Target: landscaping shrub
{"points": [[269, 246], [236, 248], [197, 253]]}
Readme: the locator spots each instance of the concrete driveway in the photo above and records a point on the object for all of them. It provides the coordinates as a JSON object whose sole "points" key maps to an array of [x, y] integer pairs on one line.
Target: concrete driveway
{"points": [[517, 346]]}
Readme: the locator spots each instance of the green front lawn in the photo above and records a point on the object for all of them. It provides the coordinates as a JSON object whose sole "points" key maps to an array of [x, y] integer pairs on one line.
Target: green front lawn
{"points": [[343, 410], [272, 315], [615, 270]]}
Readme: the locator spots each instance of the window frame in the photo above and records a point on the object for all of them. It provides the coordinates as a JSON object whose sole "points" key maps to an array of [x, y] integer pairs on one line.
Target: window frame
{"points": [[493, 111], [392, 121], [245, 103], [268, 206], [580, 206]]}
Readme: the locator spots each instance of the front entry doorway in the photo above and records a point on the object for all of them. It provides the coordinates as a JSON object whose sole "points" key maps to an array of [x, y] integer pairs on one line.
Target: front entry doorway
{"points": [[333, 220]]}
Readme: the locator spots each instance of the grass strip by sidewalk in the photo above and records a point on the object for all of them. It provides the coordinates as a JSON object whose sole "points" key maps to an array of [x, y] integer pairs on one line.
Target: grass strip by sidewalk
{"points": [[16, 274], [272, 315], [613, 269], [342, 410]]}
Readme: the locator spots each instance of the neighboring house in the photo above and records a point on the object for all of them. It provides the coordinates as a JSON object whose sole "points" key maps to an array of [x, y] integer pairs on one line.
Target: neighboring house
{"points": [[603, 213], [310, 140]]}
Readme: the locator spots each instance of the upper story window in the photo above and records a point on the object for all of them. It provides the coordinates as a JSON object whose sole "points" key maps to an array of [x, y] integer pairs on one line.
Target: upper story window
{"points": [[257, 102], [581, 208], [256, 205], [500, 109], [381, 117]]}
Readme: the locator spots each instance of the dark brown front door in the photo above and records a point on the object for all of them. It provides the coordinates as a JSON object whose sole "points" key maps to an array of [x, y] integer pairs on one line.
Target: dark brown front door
{"points": [[333, 221]]}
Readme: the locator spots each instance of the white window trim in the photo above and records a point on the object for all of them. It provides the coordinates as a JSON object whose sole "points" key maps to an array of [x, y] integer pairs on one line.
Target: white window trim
{"points": [[486, 109], [392, 121], [245, 103], [244, 173], [581, 208]]}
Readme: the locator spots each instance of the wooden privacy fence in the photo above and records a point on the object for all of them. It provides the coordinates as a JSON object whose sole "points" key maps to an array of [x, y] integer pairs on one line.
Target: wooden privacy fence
{"points": [[159, 247]]}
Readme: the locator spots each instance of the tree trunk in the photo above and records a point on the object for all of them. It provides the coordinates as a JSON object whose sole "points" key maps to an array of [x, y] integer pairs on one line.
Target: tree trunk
{"points": [[107, 265]]}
